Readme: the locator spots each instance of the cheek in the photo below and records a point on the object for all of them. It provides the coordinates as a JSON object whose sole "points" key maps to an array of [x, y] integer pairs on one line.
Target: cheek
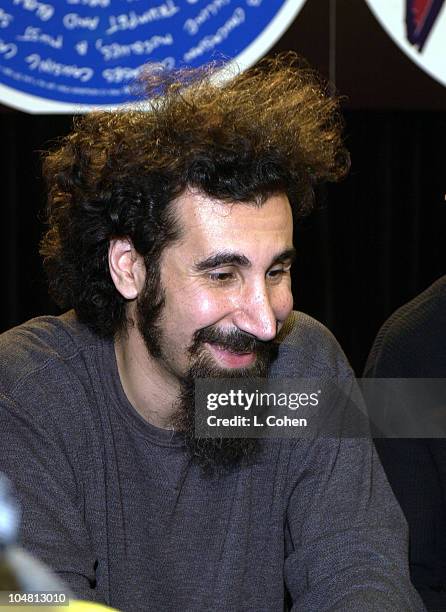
{"points": [[204, 308], [283, 303]]}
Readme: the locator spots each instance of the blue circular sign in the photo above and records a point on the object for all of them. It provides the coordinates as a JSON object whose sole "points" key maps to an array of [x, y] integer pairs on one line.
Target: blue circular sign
{"points": [[74, 55]]}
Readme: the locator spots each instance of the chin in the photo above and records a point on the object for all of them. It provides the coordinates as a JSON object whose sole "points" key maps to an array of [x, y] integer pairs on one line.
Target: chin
{"points": [[215, 454]]}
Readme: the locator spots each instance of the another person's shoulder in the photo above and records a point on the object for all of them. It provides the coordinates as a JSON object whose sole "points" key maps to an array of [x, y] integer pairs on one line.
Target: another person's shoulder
{"points": [[40, 346], [411, 341], [308, 349], [417, 315]]}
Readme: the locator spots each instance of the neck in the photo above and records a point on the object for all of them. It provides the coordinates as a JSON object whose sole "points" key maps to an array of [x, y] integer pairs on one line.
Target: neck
{"points": [[149, 387]]}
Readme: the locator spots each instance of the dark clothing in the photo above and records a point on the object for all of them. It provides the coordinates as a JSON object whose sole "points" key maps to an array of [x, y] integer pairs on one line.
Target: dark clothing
{"points": [[115, 506], [412, 344]]}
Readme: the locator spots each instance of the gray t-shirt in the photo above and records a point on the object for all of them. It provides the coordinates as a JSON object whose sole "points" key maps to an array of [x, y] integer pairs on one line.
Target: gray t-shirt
{"points": [[115, 506]]}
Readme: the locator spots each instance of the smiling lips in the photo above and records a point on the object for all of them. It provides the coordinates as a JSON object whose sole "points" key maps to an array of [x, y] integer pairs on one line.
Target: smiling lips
{"points": [[230, 359]]}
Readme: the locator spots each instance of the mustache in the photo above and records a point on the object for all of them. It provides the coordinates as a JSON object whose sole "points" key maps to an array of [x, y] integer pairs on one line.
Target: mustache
{"points": [[233, 340]]}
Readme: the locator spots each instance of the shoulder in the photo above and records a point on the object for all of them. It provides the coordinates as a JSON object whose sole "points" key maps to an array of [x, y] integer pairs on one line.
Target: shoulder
{"points": [[50, 383], [412, 336], [308, 349], [41, 345]]}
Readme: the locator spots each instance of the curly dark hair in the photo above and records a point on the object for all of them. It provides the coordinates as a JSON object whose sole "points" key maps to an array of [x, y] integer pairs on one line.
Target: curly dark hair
{"points": [[270, 129]]}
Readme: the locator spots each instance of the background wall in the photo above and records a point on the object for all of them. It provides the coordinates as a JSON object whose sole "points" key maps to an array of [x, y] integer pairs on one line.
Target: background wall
{"points": [[374, 242]]}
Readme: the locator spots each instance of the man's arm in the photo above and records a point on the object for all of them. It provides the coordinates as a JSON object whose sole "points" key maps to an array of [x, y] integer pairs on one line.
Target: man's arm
{"points": [[345, 533], [52, 526]]}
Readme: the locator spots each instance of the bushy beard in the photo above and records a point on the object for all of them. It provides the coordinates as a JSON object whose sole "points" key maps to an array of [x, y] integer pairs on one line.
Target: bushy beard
{"points": [[212, 454], [219, 454]]}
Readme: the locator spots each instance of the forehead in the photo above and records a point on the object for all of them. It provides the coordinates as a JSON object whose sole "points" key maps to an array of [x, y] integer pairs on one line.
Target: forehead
{"points": [[206, 222]]}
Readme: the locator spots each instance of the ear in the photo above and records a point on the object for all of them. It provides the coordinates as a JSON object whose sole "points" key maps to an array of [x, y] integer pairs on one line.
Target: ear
{"points": [[127, 268]]}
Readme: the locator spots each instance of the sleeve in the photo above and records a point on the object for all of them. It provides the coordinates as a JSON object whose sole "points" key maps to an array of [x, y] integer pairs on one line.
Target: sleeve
{"points": [[52, 527], [346, 538], [415, 467]]}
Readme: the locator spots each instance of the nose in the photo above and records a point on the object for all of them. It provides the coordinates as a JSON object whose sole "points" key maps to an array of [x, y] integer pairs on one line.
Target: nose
{"points": [[255, 314]]}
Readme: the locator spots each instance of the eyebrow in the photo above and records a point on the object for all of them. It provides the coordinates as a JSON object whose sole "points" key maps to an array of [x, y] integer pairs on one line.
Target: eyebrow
{"points": [[230, 258]]}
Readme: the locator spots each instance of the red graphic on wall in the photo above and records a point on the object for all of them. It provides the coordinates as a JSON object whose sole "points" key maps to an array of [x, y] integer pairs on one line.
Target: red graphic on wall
{"points": [[421, 16]]}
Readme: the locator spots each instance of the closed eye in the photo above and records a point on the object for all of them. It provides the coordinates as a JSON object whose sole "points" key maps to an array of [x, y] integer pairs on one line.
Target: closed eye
{"points": [[221, 277], [276, 273]]}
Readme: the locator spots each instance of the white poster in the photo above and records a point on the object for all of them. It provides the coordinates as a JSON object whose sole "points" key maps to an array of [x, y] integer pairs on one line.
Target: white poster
{"points": [[419, 28]]}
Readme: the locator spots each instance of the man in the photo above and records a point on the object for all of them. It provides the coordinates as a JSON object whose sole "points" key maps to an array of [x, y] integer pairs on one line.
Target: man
{"points": [[411, 344], [171, 237]]}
